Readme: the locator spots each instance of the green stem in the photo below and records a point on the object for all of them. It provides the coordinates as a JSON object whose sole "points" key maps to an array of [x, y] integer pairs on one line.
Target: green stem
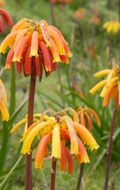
{"points": [[9, 173], [12, 90], [3, 150]]}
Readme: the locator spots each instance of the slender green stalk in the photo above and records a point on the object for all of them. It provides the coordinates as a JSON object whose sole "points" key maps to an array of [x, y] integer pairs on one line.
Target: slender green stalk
{"points": [[10, 173], [12, 90], [109, 152], [5, 131], [53, 173], [3, 150], [80, 177]]}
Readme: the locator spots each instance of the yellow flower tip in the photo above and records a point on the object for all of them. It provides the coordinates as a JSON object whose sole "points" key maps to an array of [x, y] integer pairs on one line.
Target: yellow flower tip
{"points": [[33, 53], [102, 73], [16, 59]]}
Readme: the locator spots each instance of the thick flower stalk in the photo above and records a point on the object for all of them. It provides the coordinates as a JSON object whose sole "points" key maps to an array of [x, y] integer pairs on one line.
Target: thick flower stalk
{"points": [[65, 135], [110, 89], [3, 103], [35, 46], [5, 20], [112, 26], [110, 86]]}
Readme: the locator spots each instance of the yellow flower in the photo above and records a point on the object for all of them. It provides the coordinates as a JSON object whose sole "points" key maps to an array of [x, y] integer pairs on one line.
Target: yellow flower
{"points": [[3, 102], [112, 26], [60, 130], [110, 85]]}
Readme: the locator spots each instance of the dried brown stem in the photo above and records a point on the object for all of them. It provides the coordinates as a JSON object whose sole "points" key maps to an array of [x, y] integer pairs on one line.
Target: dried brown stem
{"points": [[53, 173], [28, 179], [80, 177]]}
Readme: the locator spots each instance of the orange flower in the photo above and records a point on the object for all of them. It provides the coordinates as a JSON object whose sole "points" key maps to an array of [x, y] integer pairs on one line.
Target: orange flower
{"points": [[5, 19], [86, 116], [63, 132], [80, 13], [3, 102], [34, 46], [111, 85], [95, 20]]}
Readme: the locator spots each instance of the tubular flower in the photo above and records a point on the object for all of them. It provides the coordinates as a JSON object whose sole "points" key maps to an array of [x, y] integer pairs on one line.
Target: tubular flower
{"points": [[110, 85], [3, 102], [86, 116], [112, 26], [5, 19], [34, 46], [63, 132]]}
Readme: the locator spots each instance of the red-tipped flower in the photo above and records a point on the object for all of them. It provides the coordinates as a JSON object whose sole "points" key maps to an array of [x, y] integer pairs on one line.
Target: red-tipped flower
{"points": [[34, 45], [5, 19]]}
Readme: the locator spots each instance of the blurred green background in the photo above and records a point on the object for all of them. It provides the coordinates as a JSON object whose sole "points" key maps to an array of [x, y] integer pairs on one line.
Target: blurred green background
{"points": [[93, 49]]}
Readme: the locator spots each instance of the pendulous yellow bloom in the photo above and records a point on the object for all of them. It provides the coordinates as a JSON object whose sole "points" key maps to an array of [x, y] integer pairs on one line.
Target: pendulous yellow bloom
{"points": [[60, 130], [112, 26], [3, 102], [110, 85]]}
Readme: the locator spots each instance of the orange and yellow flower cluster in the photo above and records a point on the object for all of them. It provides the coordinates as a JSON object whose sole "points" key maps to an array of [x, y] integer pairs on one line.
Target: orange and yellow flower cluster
{"points": [[65, 134], [110, 85], [34, 46]]}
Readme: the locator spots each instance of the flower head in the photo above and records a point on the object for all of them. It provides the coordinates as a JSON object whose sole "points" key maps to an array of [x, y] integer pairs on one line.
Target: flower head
{"points": [[5, 19], [110, 85], [65, 135], [86, 116], [112, 26], [34, 45], [3, 103]]}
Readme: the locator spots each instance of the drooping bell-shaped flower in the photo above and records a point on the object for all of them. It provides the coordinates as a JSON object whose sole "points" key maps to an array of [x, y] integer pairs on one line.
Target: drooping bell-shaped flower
{"points": [[5, 20], [86, 116], [35, 46]]}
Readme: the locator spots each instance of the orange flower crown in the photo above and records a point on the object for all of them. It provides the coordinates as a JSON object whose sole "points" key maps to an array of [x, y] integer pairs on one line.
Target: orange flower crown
{"points": [[63, 131], [5, 19], [34, 45]]}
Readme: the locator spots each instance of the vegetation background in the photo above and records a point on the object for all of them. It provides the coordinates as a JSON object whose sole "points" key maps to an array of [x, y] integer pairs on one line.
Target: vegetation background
{"points": [[93, 49]]}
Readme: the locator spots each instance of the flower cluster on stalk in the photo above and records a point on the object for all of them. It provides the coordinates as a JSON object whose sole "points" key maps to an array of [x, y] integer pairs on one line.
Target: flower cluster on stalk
{"points": [[34, 46], [63, 132], [110, 86]]}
